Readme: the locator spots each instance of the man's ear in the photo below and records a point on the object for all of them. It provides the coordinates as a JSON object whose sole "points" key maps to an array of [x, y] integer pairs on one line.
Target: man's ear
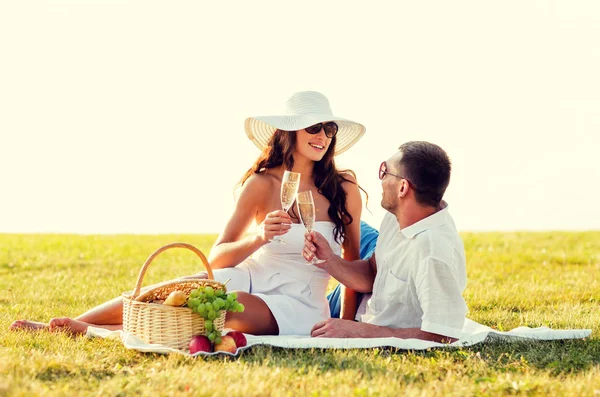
{"points": [[403, 188]]}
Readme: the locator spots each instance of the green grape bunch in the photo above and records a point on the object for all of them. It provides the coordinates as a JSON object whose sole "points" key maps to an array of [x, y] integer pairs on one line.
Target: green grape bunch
{"points": [[208, 302]]}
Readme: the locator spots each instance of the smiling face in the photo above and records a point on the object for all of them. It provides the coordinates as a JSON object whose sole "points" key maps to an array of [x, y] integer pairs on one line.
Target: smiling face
{"points": [[312, 146]]}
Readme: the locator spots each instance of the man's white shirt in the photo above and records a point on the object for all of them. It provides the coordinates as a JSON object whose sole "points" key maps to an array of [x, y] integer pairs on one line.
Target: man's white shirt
{"points": [[421, 274]]}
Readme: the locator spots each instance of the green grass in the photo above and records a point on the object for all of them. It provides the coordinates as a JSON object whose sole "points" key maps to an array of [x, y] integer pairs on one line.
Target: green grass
{"points": [[529, 279]]}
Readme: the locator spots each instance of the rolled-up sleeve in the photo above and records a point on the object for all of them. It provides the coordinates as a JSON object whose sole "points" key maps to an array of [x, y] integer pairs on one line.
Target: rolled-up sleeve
{"points": [[440, 296]]}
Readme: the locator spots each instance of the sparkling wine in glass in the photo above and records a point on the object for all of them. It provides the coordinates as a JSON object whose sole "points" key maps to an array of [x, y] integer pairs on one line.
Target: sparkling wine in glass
{"points": [[306, 208], [289, 189]]}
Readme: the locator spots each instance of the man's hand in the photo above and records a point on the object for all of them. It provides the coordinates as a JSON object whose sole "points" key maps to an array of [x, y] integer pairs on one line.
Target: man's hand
{"points": [[316, 246], [337, 328]]}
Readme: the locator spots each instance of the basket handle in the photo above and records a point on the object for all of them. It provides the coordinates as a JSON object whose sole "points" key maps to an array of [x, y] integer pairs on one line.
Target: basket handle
{"points": [[138, 285]]}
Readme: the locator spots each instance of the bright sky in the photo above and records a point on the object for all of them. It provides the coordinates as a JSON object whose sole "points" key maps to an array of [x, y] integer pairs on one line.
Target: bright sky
{"points": [[127, 116]]}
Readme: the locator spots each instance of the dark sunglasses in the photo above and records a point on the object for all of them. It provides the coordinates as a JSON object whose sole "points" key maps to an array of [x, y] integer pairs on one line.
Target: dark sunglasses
{"points": [[383, 172], [330, 128]]}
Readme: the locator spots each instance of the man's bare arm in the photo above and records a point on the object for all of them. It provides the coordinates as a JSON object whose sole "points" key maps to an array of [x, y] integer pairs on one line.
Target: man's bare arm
{"points": [[337, 328], [357, 275], [376, 331]]}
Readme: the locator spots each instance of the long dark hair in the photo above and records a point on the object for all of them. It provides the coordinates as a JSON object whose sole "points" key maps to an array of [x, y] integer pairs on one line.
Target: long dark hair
{"points": [[326, 177]]}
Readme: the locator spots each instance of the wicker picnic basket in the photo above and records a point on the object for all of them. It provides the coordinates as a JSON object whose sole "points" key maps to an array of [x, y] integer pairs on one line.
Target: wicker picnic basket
{"points": [[146, 317]]}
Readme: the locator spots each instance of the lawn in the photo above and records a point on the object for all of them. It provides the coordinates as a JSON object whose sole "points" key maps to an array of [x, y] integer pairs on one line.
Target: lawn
{"points": [[515, 279]]}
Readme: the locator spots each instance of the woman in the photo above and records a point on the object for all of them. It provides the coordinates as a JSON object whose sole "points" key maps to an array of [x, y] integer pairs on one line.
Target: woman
{"points": [[281, 292]]}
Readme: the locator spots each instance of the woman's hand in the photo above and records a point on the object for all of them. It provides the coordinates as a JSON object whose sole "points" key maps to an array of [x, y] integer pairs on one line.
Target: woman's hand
{"points": [[276, 223]]}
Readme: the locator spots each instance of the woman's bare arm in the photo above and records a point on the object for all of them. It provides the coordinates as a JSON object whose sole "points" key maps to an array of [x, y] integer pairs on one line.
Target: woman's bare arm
{"points": [[231, 248], [351, 246]]}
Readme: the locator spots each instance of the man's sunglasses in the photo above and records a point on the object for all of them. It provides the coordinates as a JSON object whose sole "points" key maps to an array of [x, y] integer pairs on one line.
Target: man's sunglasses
{"points": [[383, 172], [330, 128]]}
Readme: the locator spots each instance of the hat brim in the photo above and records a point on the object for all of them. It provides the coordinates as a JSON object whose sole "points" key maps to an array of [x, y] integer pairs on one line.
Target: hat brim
{"points": [[260, 129]]}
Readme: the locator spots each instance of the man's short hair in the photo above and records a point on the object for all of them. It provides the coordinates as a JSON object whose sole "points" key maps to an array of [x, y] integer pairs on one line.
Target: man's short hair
{"points": [[428, 167]]}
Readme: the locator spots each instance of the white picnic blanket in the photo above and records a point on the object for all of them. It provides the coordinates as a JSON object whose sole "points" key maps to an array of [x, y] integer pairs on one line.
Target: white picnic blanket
{"points": [[473, 333]]}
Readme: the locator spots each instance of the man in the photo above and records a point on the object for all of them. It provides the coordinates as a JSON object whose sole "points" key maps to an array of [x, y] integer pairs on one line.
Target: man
{"points": [[418, 271]]}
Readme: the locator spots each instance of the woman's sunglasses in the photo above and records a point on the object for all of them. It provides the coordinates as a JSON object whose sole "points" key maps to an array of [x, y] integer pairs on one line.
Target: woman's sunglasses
{"points": [[330, 128]]}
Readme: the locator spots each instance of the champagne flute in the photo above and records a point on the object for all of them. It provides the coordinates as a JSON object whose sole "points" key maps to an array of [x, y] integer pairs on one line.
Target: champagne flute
{"points": [[289, 188], [306, 208]]}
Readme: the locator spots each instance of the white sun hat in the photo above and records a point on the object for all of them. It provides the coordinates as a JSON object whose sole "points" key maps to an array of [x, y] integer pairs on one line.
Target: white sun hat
{"points": [[302, 110]]}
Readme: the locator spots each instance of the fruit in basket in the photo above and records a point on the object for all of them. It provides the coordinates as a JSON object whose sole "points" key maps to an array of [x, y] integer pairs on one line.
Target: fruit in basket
{"points": [[209, 292], [200, 343], [238, 337], [227, 345], [208, 325], [210, 303], [175, 298]]}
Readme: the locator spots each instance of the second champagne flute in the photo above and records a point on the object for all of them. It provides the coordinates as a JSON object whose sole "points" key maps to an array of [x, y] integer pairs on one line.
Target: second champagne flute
{"points": [[306, 208], [289, 188]]}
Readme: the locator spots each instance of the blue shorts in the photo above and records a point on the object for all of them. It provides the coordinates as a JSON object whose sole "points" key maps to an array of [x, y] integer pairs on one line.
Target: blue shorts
{"points": [[368, 240]]}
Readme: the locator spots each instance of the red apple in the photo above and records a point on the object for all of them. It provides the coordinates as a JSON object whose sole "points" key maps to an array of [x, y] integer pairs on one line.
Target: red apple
{"points": [[200, 343], [227, 345], [238, 337]]}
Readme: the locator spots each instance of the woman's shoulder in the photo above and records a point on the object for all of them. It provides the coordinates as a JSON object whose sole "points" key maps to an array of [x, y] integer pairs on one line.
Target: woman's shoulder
{"points": [[347, 177], [352, 190], [260, 181], [252, 191], [348, 181]]}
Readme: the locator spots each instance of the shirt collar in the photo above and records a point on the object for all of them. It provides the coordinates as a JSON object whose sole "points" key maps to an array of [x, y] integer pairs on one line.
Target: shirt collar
{"points": [[437, 219]]}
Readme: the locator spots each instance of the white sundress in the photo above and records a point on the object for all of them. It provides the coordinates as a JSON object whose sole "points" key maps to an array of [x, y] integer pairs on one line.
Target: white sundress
{"points": [[294, 290]]}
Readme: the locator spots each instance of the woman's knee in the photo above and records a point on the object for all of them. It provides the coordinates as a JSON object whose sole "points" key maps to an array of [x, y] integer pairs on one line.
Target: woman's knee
{"points": [[255, 319]]}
